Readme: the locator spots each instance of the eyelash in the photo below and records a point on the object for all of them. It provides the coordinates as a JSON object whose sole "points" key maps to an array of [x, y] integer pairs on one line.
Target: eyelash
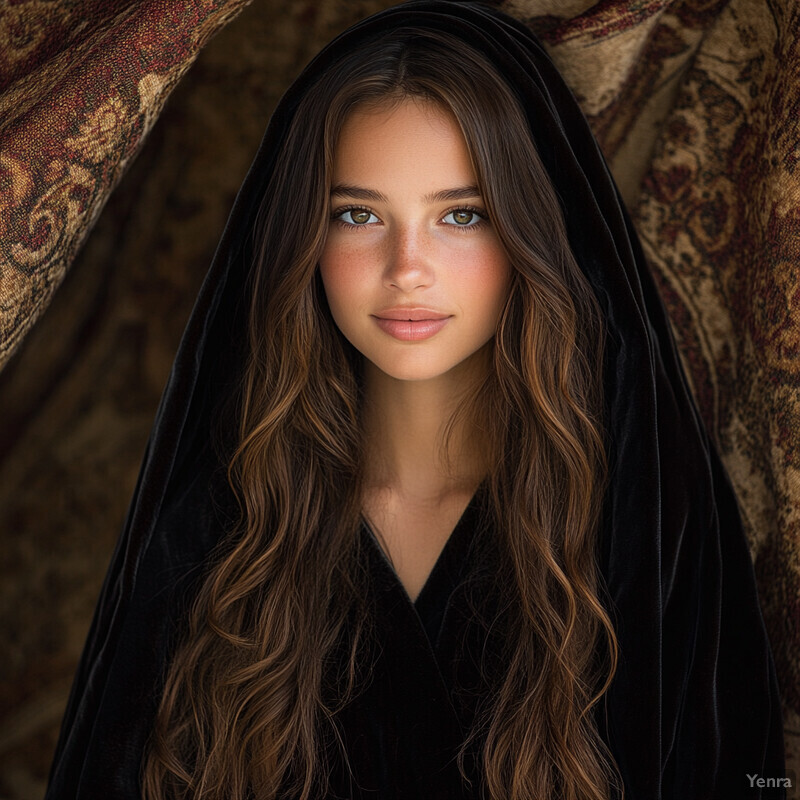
{"points": [[336, 216]]}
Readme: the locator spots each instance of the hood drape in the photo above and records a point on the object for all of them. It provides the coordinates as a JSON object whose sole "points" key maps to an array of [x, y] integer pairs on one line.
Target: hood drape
{"points": [[693, 708]]}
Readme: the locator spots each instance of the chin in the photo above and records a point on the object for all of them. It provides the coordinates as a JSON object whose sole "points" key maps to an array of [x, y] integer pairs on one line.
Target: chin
{"points": [[412, 372], [425, 369]]}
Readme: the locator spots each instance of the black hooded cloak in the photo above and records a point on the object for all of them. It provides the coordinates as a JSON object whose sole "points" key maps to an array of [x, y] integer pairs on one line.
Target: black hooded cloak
{"points": [[693, 709]]}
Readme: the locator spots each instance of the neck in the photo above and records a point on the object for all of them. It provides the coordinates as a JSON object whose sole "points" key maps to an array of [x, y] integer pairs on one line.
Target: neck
{"points": [[405, 423]]}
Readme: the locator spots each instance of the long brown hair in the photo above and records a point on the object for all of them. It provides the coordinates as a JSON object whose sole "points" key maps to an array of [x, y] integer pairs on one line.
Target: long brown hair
{"points": [[245, 706]]}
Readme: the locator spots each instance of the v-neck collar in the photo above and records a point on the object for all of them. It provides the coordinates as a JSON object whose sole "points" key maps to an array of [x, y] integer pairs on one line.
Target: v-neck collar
{"points": [[445, 575], [432, 601], [403, 730]]}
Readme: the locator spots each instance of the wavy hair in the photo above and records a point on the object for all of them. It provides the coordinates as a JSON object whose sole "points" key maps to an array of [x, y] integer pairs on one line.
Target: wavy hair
{"points": [[249, 704]]}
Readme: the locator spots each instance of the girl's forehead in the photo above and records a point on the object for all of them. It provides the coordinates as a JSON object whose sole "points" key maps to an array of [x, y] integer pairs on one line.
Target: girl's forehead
{"points": [[413, 130], [388, 110]]}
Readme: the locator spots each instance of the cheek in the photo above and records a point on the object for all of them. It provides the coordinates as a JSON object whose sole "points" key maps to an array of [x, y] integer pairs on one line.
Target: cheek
{"points": [[345, 279], [490, 286], [338, 274], [494, 280]]}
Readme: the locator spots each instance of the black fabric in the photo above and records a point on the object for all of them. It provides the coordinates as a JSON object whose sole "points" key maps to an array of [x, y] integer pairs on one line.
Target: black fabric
{"points": [[451, 566], [694, 705], [404, 731], [448, 571]]}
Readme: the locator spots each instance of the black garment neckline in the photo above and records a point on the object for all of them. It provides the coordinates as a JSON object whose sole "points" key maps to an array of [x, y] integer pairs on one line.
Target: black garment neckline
{"points": [[445, 575]]}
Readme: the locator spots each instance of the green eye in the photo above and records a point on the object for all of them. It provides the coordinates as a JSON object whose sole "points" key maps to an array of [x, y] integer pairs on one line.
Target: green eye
{"points": [[463, 218], [357, 216]]}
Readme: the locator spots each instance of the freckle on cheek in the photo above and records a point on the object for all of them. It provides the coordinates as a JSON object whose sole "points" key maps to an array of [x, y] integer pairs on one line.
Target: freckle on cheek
{"points": [[349, 267]]}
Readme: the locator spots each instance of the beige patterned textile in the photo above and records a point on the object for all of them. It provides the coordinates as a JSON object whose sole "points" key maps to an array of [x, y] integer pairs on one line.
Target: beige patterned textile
{"points": [[82, 81]]}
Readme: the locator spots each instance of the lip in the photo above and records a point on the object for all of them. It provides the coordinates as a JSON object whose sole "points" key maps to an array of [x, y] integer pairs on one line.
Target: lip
{"points": [[415, 314], [407, 330]]}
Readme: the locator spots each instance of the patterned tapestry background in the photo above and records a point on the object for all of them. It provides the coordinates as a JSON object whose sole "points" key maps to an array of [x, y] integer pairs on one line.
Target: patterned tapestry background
{"points": [[697, 107]]}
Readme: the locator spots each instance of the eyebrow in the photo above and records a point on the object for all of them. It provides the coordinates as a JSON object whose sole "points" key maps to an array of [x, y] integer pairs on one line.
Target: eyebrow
{"points": [[361, 193]]}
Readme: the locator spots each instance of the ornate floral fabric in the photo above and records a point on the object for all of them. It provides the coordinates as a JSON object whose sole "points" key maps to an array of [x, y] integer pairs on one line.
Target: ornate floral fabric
{"points": [[696, 104], [82, 84]]}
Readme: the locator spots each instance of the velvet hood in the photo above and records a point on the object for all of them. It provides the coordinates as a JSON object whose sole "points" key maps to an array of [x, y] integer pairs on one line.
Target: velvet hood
{"points": [[693, 708]]}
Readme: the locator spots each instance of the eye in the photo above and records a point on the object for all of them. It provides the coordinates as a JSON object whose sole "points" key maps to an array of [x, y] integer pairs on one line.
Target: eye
{"points": [[357, 217], [463, 217]]}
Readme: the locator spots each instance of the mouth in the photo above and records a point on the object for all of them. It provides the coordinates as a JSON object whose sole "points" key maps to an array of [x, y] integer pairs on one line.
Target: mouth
{"points": [[406, 328]]}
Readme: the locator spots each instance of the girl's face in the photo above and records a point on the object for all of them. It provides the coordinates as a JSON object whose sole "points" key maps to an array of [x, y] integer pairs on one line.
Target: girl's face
{"points": [[414, 273]]}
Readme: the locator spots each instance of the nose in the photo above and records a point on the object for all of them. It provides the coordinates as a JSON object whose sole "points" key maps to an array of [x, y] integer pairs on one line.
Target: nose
{"points": [[408, 260]]}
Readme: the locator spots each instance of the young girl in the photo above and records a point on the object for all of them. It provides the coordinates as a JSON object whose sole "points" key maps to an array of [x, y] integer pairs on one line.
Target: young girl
{"points": [[427, 510]]}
